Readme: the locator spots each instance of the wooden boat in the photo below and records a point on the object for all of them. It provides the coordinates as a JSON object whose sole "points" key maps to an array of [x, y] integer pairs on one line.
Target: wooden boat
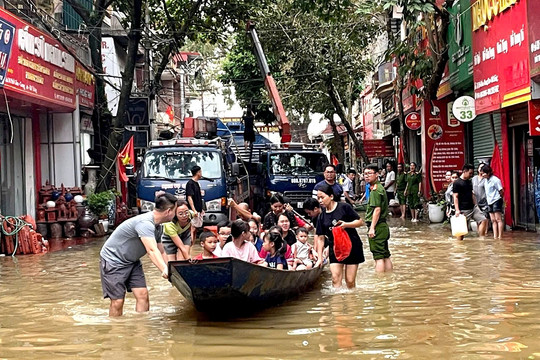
{"points": [[235, 286]]}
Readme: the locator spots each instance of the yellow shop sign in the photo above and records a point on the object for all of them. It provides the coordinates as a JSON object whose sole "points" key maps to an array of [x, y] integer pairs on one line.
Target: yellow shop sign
{"points": [[485, 10]]}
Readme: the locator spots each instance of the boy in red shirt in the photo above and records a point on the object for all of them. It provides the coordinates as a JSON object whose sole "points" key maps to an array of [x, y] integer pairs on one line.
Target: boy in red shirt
{"points": [[209, 243]]}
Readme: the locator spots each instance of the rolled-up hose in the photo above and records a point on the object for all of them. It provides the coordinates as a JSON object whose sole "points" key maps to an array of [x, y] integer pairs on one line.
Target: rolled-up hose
{"points": [[18, 223]]}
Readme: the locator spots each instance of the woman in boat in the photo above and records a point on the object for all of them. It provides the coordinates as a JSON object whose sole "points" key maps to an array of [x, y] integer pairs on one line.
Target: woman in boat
{"points": [[238, 244], [277, 206], [176, 238], [276, 247], [338, 214], [286, 233]]}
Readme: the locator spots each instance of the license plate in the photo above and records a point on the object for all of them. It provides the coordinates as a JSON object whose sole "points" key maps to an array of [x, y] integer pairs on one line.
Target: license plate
{"points": [[300, 205]]}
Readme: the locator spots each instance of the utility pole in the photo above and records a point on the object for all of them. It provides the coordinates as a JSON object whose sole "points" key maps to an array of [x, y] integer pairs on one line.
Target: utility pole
{"points": [[149, 76]]}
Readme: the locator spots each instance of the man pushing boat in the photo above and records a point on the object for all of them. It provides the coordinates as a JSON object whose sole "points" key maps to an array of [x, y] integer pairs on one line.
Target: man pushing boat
{"points": [[120, 265]]}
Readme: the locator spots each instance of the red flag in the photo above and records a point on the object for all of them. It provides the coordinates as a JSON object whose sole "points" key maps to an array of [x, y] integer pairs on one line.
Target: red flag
{"points": [[170, 113], [497, 167], [125, 157], [334, 159]]}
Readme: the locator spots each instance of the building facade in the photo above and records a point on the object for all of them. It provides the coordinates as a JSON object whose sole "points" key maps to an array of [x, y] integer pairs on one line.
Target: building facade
{"points": [[46, 100]]}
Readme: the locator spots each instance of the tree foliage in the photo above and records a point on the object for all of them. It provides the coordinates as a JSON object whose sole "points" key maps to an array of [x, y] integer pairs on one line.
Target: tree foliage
{"points": [[318, 57], [422, 56], [164, 28]]}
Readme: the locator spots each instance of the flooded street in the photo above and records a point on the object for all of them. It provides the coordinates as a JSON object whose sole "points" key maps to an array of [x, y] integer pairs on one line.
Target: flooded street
{"points": [[446, 299]]}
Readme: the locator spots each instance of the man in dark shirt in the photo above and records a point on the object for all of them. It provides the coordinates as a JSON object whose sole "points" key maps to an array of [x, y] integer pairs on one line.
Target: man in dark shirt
{"points": [[194, 197], [330, 179], [465, 201]]}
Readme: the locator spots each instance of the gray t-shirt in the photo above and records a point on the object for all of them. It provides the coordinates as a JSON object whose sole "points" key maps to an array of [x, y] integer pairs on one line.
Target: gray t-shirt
{"points": [[479, 191], [124, 246]]}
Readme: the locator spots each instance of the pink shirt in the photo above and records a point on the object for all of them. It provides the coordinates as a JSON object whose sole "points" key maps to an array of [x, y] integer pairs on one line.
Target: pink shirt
{"points": [[288, 253], [247, 252]]}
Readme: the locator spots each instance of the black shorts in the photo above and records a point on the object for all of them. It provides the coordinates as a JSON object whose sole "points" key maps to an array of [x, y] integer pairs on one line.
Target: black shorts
{"points": [[497, 206], [116, 280]]}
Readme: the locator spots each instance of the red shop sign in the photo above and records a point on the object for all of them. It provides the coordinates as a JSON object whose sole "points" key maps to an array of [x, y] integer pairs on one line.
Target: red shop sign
{"points": [[500, 56], [378, 148], [42, 71], [413, 121]]}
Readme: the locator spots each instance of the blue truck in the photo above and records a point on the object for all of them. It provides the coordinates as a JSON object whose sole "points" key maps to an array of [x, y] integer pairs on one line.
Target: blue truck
{"points": [[292, 171], [167, 166]]}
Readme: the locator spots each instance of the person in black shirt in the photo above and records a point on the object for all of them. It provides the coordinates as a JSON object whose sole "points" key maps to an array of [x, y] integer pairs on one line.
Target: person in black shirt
{"points": [[194, 197], [465, 201], [277, 205], [312, 209], [343, 215]]}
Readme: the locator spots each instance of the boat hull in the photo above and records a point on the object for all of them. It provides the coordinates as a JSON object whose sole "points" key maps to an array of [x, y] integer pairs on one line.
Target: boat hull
{"points": [[232, 285]]}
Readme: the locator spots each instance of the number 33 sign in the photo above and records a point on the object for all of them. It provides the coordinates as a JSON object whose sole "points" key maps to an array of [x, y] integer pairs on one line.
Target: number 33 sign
{"points": [[463, 109], [534, 118]]}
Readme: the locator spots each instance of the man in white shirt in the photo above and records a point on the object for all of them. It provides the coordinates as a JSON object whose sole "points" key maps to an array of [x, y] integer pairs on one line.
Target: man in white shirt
{"points": [[389, 182], [348, 186]]}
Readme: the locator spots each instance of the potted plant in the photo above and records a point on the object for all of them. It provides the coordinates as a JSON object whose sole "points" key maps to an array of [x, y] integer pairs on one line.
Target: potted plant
{"points": [[436, 207], [99, 203]]}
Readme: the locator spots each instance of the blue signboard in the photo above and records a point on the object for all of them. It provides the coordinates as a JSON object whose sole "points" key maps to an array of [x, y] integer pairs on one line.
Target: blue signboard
{"points": [[7, 33]]}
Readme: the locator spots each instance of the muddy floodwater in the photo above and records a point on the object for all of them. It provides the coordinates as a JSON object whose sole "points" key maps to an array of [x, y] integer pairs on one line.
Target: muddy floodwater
{"points": [[446, 300]]}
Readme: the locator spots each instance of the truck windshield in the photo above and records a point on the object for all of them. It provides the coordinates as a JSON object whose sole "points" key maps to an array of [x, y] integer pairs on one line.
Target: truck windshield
{"points": [[296, 164], [177, 164]]}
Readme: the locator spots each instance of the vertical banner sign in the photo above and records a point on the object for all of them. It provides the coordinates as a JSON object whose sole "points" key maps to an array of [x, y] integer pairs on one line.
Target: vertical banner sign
{"points": [[443, 146], [500, 54], [7, 33]]}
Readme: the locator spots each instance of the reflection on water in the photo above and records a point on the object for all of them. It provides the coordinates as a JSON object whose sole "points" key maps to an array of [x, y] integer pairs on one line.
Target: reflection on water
{"points": [[446, 299]]}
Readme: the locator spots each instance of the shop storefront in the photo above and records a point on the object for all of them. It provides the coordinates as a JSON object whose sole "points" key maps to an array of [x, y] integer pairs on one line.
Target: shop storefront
{"points": [[502, 90], [43, 92]]}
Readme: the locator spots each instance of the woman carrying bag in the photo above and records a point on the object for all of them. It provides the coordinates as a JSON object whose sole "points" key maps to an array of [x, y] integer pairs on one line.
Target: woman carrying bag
{"points": [[338, 214]]}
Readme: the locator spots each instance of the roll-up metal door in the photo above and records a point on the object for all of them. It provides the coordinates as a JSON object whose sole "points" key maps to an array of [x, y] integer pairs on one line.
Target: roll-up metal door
{"points": [[483, 128], [415, 149]]}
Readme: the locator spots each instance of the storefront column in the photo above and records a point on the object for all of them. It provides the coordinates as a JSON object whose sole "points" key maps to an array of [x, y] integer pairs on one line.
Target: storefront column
{"points": [[36, 137]]}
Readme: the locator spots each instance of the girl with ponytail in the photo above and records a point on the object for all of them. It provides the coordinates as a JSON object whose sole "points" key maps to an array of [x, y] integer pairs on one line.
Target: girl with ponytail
{"points": [[276, 248], [238, 244]]}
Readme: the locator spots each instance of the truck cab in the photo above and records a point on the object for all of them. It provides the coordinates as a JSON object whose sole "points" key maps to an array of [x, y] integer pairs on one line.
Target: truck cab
{"points": [[292, 171], [167, 166]]}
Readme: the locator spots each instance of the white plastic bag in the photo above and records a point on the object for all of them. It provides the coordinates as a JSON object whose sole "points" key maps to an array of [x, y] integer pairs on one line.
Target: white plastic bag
{"points": [[197, 221]]}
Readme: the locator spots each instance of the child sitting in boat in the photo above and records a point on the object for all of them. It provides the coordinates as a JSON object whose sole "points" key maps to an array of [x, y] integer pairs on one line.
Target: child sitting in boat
{"points": [[238, 244], [302, 251], [208, 243], [276, 230], [276, 247]]}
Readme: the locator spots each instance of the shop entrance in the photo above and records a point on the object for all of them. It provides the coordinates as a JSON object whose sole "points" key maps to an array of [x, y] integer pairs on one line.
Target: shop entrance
{"points": [[14, 175], [525, 178]]}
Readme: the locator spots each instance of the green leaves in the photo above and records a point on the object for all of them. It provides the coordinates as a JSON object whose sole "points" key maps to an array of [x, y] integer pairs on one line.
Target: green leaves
{"points": [[426, 25], [305, 46]]}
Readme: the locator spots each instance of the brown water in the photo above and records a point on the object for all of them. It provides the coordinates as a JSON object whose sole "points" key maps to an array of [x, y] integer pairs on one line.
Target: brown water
{"points": [[446, 299]]}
